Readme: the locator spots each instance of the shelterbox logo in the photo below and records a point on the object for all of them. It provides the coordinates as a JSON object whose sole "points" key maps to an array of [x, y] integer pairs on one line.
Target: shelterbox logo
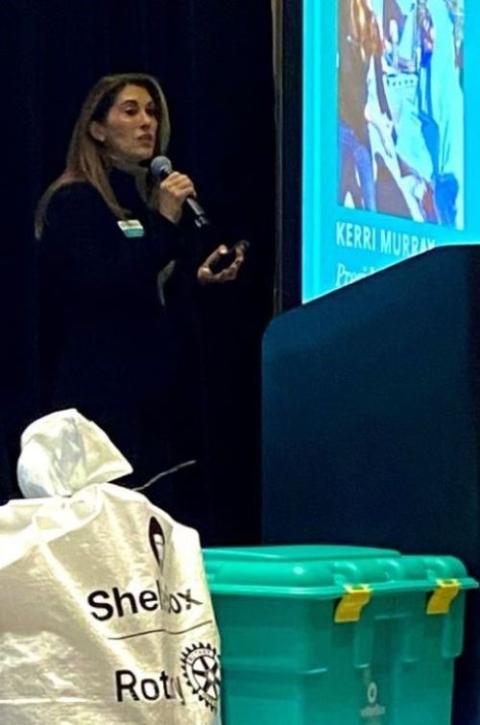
{"points": [[106, 604], [373, 711], [157, 541]]}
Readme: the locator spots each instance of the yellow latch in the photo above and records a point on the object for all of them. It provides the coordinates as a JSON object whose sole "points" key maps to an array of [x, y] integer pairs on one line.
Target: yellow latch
{"points": [[349, 609], [443, 596]]}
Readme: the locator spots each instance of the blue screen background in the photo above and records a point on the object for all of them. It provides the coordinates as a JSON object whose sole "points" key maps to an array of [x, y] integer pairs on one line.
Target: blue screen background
{"points": [[342, 244]]}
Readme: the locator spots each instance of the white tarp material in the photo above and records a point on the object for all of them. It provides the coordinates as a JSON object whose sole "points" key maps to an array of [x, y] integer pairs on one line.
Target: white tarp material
{"points": [[105, 614], [63, 452]]}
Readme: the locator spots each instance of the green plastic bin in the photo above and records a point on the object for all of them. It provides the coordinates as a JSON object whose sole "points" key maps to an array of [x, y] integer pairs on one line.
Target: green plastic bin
{"points": [[337, 635]]}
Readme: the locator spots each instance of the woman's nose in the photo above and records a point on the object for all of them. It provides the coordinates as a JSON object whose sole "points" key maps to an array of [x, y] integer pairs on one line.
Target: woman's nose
{"points": [[146, 119]]}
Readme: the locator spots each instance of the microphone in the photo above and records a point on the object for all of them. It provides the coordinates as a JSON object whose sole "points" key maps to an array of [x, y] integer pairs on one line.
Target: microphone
{"points": [[160, 168]]}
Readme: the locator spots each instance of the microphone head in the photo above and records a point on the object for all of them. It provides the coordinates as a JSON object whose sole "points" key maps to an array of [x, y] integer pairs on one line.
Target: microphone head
{"points": [[160, 167]]}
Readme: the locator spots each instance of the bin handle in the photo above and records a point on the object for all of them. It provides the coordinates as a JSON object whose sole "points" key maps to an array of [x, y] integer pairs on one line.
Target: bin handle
{"points": [[443, 596], [350, 607]]}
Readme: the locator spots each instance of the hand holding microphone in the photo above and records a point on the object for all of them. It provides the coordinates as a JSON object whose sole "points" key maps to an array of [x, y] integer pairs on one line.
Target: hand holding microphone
{"points": [[176, 191]]}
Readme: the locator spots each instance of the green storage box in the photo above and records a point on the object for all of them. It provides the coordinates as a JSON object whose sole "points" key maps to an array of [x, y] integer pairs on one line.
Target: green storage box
{"points": [[337, 635]]}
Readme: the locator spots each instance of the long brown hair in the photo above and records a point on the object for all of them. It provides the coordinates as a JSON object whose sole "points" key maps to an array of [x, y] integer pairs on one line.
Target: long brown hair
{"points": [[87, 159], [365, 28]]}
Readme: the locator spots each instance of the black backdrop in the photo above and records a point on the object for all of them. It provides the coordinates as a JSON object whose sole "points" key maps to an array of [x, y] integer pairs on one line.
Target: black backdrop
{"points": [[213, 58]]}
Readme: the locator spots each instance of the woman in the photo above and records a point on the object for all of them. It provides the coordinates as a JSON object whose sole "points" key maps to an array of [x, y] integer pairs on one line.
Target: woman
{"points": [[106, 230]]}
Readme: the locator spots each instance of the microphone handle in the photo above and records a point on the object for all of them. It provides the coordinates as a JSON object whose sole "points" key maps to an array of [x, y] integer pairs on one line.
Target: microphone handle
{"points": [[200, 219]]}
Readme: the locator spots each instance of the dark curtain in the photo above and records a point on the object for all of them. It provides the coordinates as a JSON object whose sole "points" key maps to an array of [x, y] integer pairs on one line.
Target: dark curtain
{"points": [[213, 59]]}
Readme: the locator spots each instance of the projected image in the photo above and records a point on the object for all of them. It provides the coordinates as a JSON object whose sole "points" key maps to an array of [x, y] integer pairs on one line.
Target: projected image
{"points": [[401, 109]]}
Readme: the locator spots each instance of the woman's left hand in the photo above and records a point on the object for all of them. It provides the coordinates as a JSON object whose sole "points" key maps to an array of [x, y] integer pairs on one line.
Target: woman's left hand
{"points": [[206, 275]]}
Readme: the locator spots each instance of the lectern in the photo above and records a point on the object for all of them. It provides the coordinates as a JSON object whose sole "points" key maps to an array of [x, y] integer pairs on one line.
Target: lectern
{"points": [[371, 422]]}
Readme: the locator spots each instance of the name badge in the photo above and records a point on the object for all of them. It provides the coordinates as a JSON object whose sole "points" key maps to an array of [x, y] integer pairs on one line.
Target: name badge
{"points": [[131, 228]]}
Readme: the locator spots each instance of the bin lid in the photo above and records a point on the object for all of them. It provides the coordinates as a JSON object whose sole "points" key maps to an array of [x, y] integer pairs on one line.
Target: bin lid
{"points": [[324, 571]]}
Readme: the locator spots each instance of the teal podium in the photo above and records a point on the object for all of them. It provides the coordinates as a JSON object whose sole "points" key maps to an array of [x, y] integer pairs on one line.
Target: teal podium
{"points": [[371, 422]]}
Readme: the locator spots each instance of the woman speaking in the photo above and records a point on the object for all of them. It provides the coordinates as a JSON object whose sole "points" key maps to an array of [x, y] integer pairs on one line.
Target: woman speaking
{"points": [[106, 230]]}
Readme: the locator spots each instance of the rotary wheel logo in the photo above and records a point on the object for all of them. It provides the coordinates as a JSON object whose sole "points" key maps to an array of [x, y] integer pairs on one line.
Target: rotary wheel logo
{"points": [[201, 669]]}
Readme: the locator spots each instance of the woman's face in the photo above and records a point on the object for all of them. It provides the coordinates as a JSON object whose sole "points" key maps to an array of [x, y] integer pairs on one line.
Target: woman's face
{"points": [[129, 130]]}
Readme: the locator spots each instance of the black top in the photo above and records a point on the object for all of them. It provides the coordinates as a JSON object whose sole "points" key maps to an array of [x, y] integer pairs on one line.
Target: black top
{"points": [[107, 347]]}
